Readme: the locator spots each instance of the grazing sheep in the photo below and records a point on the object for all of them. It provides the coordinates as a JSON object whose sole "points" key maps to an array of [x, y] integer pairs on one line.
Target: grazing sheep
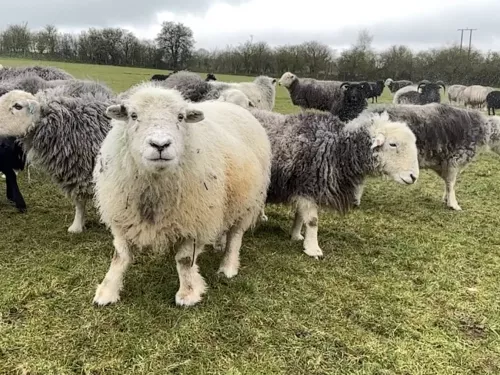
{"points": [[475, 96], [48, 73], [353, 101], [309, 93], [236, 97], [173, 172], [320, 161], [210, 77], [160, 77], [12, 159], [448, 138], [493, 101], [429, 94], [394, 86], [61, 135], [454, 93], [376, 90]]}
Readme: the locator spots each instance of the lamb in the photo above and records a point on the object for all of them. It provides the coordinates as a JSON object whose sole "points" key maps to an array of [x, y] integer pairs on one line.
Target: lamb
{"points": [[353, 101], [210, 77], [12, 159], [475, 96], [394, 86], [308, 93], [320, 161], [62, 136], [48, 73], [429, 94], [493, 101], [448, 139], [454, 93], [174, 172], [376, 90]]}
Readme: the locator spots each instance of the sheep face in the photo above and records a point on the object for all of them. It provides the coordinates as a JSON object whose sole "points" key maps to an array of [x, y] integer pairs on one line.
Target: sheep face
{"points": [[388, 82], [156, 121], [394, 146], [18, 111], [236, 97], [355, 93], [287, 79]]}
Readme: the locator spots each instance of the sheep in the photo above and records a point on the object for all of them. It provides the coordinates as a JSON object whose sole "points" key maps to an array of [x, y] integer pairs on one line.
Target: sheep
{"points": [[180, 173], [48, 73], [429, 94], [394, 86], [448, 139], [308, 93], [454, 93], [236, 97], [353, 101], [160, 77], [210, 77], [376, 90], [475, 96], [61, 135], [12, 159], [493, 101], [319, 161]]}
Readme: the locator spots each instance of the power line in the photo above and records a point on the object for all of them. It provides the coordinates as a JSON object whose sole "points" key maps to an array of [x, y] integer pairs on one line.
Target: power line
{"points": [[462, 38]]}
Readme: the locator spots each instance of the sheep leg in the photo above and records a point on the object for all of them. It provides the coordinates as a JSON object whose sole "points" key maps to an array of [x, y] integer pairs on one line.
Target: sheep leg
{"points": [[220, 244], [231, 261], [358, 193], [8, 188], [14, 192], [450, 178], [309, 213], [298, 222], [263, 216], [191, 283], [109, 290], [79, 220]]}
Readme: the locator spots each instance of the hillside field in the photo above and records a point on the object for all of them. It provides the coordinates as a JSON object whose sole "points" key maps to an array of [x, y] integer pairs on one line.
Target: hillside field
{"points": [[406, 287]]}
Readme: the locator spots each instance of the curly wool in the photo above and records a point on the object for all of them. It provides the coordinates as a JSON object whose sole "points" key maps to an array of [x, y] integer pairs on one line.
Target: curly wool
{"points": [[48, 73]]}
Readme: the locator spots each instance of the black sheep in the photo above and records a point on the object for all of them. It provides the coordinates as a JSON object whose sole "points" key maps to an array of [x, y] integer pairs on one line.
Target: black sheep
{"points": [[210, 77], [12, 159], [493, 101], [376, 89], [160, 77], [353, 101]]}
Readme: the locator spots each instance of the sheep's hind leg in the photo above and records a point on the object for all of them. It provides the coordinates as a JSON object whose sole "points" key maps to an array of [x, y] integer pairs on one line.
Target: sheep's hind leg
{"points": [[450, 178], [79, 220], [109, 290], [358, 193], [298, 222], [191, 283], [231, 262], [13, 192], [309, 212]]}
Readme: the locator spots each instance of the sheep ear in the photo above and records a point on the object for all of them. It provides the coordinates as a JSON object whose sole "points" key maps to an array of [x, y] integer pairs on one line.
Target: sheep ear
{"points": [[378, 141], [117, 112], [274, 81], [194, 115], [32, 106]]}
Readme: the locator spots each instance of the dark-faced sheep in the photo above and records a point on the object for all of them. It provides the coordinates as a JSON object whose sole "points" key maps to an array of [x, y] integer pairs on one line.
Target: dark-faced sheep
{"points": [[394, 86], [160, 77], [429, 94], [210, 77], [353, 101], [493, 101], [376, 90]]}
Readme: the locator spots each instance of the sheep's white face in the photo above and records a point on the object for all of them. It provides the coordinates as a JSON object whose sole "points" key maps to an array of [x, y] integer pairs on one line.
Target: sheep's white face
{"points": [[287, 79], [236, 97], [18, 111], [395, 146], [157, 121], [388, 81]]}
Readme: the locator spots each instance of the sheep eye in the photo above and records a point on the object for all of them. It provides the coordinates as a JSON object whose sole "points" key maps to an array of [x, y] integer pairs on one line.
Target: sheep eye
{"points": [[18, 106], [393, 145], [180, 117], [133, 116]]}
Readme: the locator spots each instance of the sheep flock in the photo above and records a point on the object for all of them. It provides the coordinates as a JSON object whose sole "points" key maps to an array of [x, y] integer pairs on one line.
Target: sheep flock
{"points": [[184, 162]]}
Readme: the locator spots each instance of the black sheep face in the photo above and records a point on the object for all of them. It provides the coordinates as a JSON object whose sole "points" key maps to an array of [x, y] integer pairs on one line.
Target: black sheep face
{"points": [[430, 93], [355, 93]]}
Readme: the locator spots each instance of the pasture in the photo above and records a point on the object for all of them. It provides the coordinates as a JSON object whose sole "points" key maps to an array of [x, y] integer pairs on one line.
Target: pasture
{"points": [[406, 286]]}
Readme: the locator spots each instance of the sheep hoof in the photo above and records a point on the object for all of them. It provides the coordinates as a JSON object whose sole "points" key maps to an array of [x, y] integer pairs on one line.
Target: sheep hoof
{"points": [[105, 295], [264, 218], [455, 207], [192, 294], [297, 237], [314, 252], [75, 229], [229, 272]]}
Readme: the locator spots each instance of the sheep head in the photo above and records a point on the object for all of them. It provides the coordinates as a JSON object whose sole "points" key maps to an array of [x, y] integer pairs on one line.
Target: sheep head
{"points": [[18, 111], [287, 79], [388, 82], [394, 147], [355, 93], [237, 97], [156, 121]]}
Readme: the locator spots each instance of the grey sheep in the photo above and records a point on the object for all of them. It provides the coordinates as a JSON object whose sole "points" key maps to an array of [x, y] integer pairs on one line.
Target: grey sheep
{"points": [[320, 161], [48, 73], [309, 93], [394, 86], [62, 136], [429, 94], [448, 138]]}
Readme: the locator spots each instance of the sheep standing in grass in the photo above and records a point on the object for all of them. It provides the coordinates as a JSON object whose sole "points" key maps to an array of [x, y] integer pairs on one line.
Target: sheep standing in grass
{"points": [[173, 172], [448, 138], [454, 93], [62, 136], [48, 73], [493, 102], [308, 93], [376, 90], [12, 159], [394, 86], [320, 161], [475, 96], [210, 77]]}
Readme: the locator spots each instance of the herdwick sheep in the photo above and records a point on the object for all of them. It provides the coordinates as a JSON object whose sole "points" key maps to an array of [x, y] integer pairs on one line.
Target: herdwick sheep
{"points": [[475, 96], [448, 138], [353, 101], [394, 86], [454, 93], [309, 93], [376, 90], [12, 159], [320, 161], [61, 135], [405, 89], [174, 172], [429, 94], [493, 101], [48, 73], [236, 97], [210, 77]]}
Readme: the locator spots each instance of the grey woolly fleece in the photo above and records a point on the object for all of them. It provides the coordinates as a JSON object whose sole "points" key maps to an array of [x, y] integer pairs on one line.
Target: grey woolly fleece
{"points": [[314, 94], [48, 73], [315, 157], [65, 139], [445, 134]]}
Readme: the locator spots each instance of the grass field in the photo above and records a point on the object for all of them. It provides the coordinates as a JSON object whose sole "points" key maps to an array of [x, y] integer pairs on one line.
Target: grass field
{"points": [[406, 287]]}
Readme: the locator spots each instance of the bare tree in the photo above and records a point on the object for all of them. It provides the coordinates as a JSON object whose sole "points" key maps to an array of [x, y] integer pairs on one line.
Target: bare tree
{"points": [[177, 43]]}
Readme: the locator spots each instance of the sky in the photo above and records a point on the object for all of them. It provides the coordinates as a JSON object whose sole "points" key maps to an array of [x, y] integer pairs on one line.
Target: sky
{"points": [[419, 24]]}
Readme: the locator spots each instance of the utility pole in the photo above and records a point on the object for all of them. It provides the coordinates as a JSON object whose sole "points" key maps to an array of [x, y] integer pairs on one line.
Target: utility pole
{"points": [[462, 38], [470, 40]]}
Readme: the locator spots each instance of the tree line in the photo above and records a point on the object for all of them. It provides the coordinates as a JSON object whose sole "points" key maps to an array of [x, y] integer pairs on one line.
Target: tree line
{"points": [[173, 49]]}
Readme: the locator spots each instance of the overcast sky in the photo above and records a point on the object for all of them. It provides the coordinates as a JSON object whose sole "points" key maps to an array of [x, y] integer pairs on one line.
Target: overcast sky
{"points": [[217, 23]]}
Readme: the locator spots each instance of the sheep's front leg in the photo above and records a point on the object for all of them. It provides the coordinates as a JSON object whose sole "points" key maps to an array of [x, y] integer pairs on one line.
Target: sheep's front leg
{"points": [[231, 262], [191, 283], [13, 192], [358, 193], [79, 220], [263, 217], [298, 222], [450, 178], [308, 210], [109, 290]]}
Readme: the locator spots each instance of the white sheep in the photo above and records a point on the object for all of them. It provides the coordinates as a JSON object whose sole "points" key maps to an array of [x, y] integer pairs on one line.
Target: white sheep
{"points": [[237, 97], [173, 172]]}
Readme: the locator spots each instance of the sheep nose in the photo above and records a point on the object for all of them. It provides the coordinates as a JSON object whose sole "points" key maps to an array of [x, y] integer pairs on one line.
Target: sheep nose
{"points": [[160, 145], [413, 178]]}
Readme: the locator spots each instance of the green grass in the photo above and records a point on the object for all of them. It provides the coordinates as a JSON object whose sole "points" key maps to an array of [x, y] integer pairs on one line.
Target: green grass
{"points": [[406, 287]]}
